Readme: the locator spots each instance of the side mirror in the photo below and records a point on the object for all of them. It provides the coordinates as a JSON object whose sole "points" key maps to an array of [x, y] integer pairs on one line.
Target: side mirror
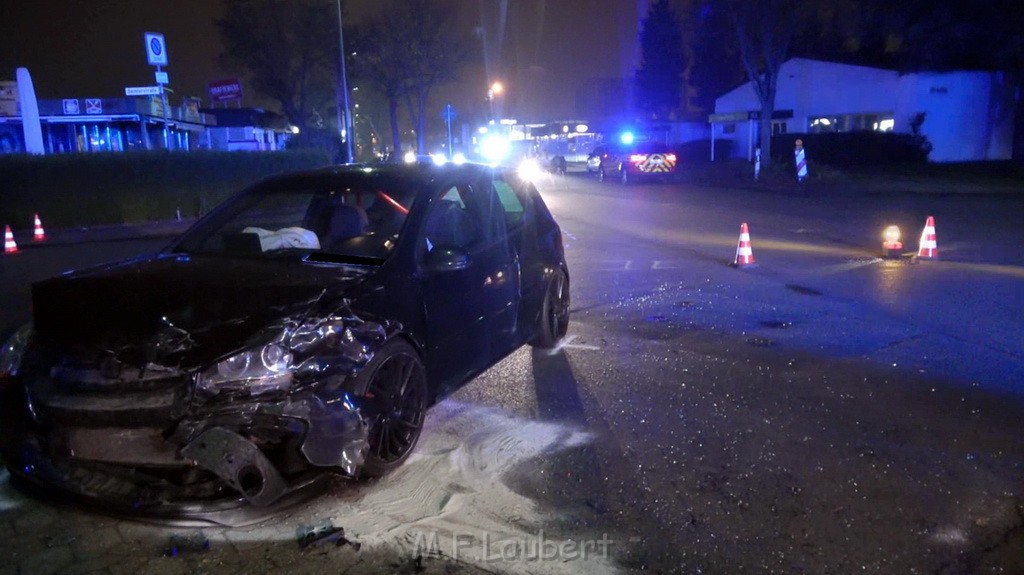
{"points": [[443, 259]]}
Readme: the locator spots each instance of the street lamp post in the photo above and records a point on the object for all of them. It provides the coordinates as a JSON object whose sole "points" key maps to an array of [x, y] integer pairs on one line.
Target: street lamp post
{"points": [[345, 129]]}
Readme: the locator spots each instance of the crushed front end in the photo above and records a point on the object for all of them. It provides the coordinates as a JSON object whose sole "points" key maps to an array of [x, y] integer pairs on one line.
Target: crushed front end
{"points": [[166, 428]]}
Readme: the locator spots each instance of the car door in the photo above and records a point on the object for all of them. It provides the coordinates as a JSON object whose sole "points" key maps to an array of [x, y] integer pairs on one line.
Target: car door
{"points": [[521, 228], [466, 283], [505, 213]]}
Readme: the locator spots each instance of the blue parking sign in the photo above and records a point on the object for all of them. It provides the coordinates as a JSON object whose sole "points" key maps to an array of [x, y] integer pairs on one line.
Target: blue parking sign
{"points": [[156, 49]]}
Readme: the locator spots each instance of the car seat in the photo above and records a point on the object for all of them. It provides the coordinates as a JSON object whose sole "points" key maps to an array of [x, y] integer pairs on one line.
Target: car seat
{"points": [[450, 225], [346, 222]]}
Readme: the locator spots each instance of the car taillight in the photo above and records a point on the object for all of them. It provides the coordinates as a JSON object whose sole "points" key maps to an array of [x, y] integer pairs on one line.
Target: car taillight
{"points": [[670, 157], [637, 158]]}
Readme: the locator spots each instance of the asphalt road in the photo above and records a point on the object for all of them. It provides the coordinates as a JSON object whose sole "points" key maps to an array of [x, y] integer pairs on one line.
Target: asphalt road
{"points": [[824, 412]]}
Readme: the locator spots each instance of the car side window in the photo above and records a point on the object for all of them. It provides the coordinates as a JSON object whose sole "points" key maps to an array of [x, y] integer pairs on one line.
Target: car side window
{"points": [[451, 223], [510, 202]]}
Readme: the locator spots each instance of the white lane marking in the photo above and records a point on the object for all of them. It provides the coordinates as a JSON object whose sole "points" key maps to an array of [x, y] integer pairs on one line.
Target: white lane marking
{"points": [[616, 265], [566, 232], [628, 265], [567, 342]]}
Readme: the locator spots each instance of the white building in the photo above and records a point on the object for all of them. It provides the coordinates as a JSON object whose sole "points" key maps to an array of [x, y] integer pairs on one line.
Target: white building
{"points": [[969, 116]]}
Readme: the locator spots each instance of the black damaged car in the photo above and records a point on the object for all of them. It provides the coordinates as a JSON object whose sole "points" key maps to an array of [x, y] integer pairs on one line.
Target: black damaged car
{"points": [[298, 331]]}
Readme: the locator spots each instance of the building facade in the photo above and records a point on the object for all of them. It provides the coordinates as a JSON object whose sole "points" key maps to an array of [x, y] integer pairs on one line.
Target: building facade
{"points": [[967, 116], [73, 125], [109, 125]]}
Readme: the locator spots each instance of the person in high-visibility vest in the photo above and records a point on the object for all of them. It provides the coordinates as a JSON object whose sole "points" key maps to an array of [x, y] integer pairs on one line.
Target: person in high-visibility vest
{"points": [[801, 161]]}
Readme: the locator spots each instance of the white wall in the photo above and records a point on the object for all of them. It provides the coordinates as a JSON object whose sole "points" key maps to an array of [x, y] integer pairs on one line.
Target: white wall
{"points": [[969, 114], [815, 88], [243, 138]]}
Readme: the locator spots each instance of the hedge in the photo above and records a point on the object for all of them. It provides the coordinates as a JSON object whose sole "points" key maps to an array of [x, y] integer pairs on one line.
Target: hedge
{"points": [[854, 149], [69, 190]]}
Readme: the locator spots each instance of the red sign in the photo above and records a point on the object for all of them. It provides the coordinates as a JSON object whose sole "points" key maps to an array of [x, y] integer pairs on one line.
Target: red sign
{"points": [[225, 90]]}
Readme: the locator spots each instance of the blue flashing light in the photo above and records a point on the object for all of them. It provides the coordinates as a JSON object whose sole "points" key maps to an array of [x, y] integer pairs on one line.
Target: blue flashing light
{"points": [[626, 138]]}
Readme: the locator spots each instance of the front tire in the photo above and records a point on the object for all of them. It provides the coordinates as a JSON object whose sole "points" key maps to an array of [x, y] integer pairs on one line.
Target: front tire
{"points": [[396, 384], [553, 322]]}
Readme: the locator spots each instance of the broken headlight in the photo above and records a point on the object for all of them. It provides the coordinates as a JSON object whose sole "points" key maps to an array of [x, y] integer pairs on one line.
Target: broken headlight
{"points": [[268, 368]]}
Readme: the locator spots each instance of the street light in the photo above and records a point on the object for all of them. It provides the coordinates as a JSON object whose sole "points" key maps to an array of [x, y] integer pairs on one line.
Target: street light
{"points": [[496, 89], [345, 129]]}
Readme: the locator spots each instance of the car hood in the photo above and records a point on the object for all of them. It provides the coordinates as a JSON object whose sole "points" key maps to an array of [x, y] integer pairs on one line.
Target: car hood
{"points": [[180, 310]]}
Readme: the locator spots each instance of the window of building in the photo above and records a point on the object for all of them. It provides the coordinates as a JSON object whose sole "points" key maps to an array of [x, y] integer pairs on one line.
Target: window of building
{"points": [[881, 122]]}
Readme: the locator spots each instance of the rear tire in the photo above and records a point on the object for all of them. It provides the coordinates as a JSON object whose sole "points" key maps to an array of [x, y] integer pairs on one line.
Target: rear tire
{"points": [[553, 322], [397, 381]]}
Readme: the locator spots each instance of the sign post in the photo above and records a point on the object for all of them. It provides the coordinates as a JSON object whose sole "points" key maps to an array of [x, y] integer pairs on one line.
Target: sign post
{"points": [[156, 55], [449, 114]]}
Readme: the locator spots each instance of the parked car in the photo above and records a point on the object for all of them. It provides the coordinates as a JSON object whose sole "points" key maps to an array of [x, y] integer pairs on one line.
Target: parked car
{"points": [[598, 156], [300, 329], [644, 160]]}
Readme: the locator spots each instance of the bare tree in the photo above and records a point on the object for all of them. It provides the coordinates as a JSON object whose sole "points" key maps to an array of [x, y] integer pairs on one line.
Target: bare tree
{"points": [[764, 30], [382, 61], [405, 52], [289, 49]]}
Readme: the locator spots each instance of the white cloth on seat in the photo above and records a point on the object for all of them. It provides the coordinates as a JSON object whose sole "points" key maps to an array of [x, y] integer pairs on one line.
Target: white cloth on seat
{"points": [[285, 238]]}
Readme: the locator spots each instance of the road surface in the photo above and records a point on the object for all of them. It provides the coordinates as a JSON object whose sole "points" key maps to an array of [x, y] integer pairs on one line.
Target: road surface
{"points": [[826, 411]]}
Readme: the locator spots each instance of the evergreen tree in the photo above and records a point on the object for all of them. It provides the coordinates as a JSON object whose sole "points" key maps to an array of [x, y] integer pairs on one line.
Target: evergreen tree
{"points": [[659, 79]]}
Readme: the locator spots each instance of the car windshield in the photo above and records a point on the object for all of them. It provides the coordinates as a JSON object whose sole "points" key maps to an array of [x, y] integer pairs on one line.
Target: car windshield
{"points": [[336, 222]]}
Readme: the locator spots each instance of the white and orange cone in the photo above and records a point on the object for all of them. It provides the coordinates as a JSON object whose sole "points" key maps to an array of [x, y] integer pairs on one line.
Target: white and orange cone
{"points": [[744, 253], [38, 235], [929, 247], [9, 246]]}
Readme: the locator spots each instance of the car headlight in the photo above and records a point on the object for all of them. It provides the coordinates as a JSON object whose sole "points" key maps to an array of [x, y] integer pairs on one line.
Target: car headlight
{"points": [[13, 350], [268, 368], [529, 170]]}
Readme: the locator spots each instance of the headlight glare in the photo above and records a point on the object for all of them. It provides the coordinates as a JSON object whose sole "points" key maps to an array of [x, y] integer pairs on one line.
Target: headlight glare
{"points": [[529, 170]]}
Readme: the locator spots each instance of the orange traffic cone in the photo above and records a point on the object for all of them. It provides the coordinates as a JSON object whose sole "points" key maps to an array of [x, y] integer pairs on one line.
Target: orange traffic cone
{"points": [[929, 248], [744, 253], [9, 246], [38, 235]]}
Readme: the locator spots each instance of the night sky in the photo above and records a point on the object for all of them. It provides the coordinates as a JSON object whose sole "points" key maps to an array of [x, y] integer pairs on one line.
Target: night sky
{"points": [[94, 48]]}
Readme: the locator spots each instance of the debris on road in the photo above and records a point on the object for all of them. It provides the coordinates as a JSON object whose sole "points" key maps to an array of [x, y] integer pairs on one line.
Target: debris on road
{"points": [[327, 533]]}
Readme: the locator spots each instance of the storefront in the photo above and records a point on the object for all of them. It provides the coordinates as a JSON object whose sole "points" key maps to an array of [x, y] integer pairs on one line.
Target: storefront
{"points": [[110, 125]]}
